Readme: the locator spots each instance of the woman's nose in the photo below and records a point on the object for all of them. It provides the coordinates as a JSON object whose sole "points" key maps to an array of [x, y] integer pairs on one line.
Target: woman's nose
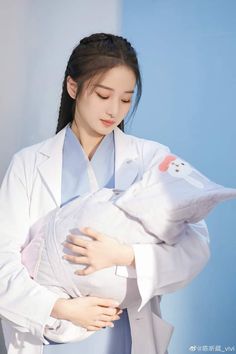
{"points": [[113, 108]]}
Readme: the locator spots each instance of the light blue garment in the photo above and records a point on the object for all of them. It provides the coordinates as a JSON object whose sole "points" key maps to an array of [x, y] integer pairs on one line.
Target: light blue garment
{"points": [[76, 181], [75, 165]]}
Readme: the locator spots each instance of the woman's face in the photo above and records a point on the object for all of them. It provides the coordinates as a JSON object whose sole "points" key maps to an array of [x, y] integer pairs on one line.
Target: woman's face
{"points": [[102, 105]]}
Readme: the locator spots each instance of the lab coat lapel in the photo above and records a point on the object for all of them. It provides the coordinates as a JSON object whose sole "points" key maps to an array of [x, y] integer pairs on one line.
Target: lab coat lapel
{"points": [[126, 160], [50, 165]]}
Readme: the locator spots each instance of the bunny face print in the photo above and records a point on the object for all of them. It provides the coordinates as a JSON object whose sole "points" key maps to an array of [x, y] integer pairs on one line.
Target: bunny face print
{"points": [[176, 167]]}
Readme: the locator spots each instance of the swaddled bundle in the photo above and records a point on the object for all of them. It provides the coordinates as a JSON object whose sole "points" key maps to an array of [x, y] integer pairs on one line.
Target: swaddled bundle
{"points": [[43, 256], [153, 210], [96, 210]]}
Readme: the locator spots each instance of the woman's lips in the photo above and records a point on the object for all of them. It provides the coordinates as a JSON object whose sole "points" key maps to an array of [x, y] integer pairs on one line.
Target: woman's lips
{"points": [[108, 122]]}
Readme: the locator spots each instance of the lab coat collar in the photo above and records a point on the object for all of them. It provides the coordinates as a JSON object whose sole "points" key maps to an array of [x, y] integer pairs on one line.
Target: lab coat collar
{"points": [[126, 162]]}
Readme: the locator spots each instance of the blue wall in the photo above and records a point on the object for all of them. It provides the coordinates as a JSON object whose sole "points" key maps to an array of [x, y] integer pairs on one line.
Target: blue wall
{"points": [[187, 52]]}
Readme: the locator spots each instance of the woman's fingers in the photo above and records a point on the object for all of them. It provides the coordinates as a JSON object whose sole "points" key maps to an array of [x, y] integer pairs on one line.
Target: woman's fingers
{"points": [[109, 311], [101, 324], [72, 241], [76, 259], [119, 312], [92, 233], [77, 240], [85, 271], [107, 318], [75, 248], [93, 328], [106, 303]]}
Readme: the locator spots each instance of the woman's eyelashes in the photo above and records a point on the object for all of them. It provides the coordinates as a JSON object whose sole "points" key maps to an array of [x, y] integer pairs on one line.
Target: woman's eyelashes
{"points": [[101, 96], [106, 97]]}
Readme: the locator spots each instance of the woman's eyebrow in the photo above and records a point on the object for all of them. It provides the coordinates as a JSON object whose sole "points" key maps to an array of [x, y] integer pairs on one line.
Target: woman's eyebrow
{"points": [[111, 89]]}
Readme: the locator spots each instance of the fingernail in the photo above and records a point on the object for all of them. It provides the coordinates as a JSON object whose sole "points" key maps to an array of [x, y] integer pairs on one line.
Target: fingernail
{"points": [[112, 325]]}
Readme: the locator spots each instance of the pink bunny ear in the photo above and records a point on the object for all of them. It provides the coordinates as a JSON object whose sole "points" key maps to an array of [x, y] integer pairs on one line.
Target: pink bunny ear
{"points": [[165, 163]]}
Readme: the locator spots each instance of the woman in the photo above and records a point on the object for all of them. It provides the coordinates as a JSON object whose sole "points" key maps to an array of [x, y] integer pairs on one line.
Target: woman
{"points": [[90, 151]]}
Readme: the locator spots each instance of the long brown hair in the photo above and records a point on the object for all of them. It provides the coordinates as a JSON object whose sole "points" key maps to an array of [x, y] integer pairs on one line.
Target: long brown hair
{"points": [[92, 56]]}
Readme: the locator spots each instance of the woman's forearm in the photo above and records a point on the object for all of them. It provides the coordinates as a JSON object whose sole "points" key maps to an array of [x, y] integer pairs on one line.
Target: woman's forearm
{"points": [[126, 256], [60, 310]]}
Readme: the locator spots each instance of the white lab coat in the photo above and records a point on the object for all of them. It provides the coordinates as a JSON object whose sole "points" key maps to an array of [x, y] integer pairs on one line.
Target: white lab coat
{"points": [[31, 188]]}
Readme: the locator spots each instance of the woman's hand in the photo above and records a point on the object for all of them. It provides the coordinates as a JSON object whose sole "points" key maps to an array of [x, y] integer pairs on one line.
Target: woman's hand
{"points": [[100, 252], [92, 313]]}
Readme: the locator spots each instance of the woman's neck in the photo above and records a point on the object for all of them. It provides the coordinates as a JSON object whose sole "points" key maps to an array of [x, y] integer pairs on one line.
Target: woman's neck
{"points": [[88, 141]]}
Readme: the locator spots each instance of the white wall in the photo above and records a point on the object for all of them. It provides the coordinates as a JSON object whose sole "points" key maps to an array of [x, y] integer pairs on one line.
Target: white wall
{"points": [[36, 39]]}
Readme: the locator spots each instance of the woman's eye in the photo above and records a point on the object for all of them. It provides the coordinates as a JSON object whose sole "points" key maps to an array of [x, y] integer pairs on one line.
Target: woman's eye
{"points": [[103, 97], [106, 97]]}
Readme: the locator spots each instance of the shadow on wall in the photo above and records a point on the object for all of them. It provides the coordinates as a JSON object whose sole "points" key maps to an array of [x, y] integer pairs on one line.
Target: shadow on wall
{"points": [[2, 346]]}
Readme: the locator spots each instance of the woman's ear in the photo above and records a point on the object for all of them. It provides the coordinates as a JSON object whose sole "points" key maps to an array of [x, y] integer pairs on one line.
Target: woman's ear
{"points": [[71, 86]]}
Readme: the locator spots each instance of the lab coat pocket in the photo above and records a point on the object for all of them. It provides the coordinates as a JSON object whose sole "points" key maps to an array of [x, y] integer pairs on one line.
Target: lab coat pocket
{"points": [[162, 333]]}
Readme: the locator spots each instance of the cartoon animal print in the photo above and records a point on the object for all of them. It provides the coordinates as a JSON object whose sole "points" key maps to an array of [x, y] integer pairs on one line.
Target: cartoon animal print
{"points": [[179, 168]]}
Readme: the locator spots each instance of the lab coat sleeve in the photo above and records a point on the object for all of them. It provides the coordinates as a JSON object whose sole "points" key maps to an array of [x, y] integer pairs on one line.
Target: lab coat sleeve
{"points": [[23, 302], [162, 268]]}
